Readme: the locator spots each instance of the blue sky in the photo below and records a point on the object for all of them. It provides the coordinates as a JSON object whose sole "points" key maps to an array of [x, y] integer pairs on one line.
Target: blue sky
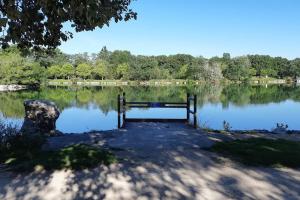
{"points": [[200, 27]]}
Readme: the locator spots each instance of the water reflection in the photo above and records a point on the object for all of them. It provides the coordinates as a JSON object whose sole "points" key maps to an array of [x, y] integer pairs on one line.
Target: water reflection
{"points": [[243, 106]]}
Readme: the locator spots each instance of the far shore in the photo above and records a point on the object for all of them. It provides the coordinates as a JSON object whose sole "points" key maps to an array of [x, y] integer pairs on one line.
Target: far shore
{"points": [[170, 82]]}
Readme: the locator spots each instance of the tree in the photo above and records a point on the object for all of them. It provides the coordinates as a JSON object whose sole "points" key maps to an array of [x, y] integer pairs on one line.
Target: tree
{"points": [[29, 74], [259, 62], [49, 58], [282, 67], [100, 69], [54, 71], [212, 71], [120, 57], [143, 68], [84, 70], [268, 72], [104, 54], [226, 57], [196, 69], [67, 70], [295, 68], [80, 58], [39, 23], [123, 71], [238, 69], [182, 73]]}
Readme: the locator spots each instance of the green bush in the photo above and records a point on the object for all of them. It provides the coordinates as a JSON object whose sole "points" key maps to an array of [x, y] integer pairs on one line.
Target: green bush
{"points": [[14, 144], [23, 152]]}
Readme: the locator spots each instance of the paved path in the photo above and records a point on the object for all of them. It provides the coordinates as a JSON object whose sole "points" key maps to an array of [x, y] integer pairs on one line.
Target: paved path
{"points": [[159, 161]]}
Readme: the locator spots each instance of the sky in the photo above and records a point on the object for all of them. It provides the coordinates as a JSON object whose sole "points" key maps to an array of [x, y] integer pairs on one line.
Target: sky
{"points": [[201, 28]]}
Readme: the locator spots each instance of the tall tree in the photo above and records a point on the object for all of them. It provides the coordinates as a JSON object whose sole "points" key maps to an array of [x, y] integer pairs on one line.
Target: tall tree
{"points": [[104, 54], [100, 69]]}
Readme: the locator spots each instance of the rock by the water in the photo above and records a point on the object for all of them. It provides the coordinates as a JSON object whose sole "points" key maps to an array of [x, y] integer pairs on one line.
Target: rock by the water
{"points": [[40, 117]]}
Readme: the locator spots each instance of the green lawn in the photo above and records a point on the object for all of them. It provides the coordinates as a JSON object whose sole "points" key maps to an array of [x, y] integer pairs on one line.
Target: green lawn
{"points": [[261, 152], [74, 157]]}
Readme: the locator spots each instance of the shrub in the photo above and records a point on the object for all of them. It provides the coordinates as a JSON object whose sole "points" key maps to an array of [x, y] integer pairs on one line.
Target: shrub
{"points": [[13, 143], [23, 152], [7, 133]]}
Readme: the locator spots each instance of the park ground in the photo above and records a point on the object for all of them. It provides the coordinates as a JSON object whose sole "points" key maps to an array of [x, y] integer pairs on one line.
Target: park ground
{"points": [[156, 161]]}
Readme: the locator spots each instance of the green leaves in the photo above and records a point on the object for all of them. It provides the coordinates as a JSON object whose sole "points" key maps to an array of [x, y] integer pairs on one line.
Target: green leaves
{"points": [[39, 23], [84, 70]]}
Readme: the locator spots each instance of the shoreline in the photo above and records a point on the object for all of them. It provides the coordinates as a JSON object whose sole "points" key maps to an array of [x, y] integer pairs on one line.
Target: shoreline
{"points": [[208, 131], [171, 82], [118, 83], [12, 87], [157, 130]]}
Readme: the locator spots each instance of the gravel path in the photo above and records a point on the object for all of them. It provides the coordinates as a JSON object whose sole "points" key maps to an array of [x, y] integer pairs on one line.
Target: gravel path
{"points": [[158, 161]]}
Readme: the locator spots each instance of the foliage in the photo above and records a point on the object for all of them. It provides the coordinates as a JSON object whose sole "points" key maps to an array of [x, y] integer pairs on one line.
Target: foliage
{"points": [[16, 67], [23, 152], [238, 69], [6, 132], [122, 71], [39, 23], [67, 71], [263, 152], [100, 69], [84, 70], [53, 72], [15, 144]]}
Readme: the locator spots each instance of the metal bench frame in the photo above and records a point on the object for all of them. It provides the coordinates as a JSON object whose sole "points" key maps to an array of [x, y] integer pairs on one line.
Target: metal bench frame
{"points": [[123, 105]]}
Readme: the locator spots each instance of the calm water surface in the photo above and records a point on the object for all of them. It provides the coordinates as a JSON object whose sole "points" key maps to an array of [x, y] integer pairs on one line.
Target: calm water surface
{"points": [[243, 106]]}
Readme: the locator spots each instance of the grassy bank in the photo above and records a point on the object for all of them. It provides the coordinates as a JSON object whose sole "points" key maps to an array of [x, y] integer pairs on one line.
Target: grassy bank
{"points": [[261, 152]]}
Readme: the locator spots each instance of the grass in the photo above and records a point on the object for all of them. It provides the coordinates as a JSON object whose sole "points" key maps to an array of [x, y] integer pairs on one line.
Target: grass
{"points": [[261, 152], [23, 152], [73, 157]]}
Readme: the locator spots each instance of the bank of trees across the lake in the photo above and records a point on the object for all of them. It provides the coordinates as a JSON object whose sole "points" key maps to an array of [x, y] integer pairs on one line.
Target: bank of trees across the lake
{"points": [[34, 67]]}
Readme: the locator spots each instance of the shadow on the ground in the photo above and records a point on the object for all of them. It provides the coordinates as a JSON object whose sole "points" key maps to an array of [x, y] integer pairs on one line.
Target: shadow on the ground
{"points": [[186, 175], [173, 167]]}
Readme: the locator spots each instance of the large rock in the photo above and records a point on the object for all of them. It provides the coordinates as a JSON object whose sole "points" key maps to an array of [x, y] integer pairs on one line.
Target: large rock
{"points": [[40, 117]]}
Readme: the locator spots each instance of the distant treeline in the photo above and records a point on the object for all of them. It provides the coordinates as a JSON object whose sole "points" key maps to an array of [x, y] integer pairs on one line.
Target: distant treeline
{"points": [[34, 67]]}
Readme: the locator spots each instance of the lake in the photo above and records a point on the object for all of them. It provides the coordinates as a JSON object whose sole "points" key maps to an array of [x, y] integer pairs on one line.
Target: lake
{"points": [[83, 109]]}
